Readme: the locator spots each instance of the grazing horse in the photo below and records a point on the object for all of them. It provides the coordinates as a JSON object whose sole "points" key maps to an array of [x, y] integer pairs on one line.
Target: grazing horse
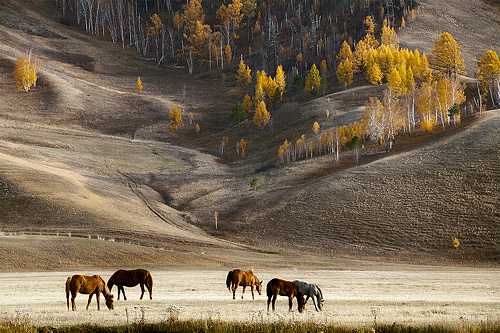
{"points": [[311, 291], [131, 279], [238, 277], [88, 285], [280, 287]]}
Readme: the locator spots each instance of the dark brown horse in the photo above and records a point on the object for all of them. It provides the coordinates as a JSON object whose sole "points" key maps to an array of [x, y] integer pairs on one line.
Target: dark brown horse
{"points": [[280, 287], [88, 285], [238, 277], [131, 279]]}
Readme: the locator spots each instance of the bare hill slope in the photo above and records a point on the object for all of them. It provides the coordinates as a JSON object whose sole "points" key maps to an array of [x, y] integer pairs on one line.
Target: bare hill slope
{"points": [[90, 175]]}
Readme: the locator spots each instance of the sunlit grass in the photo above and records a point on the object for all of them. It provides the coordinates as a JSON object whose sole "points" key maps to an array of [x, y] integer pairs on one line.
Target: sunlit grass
{"points": [[207, 325]]}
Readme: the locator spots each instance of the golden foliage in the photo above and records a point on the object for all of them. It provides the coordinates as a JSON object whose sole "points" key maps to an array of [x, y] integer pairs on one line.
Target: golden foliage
{"points": [[25, 72], [315, 127], [280, 79], [262, 116], [446, 56], [313, 81], [242, 145], [345, 73], [175, 119], [243, 76], [157, 25], [138, 86]]}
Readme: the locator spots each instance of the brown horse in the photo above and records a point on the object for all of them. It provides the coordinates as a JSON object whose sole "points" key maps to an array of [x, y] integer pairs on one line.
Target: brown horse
{"points": [[131, 279], [280, 287], [88, 285], [238, 277]]}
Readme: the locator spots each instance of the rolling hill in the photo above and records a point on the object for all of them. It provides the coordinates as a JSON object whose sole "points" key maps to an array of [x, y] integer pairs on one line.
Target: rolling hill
{"points": [[91, 175]]}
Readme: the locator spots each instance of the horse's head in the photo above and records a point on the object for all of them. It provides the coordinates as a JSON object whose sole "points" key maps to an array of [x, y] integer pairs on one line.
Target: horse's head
{"points": [[301, 301], [258, 285], [110, 301]]}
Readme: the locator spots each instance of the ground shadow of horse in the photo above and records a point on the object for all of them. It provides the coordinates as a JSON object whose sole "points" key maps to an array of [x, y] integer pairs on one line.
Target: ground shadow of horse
{"points": [[280, 287], [88, 285], [131, 279], [238, 277]]}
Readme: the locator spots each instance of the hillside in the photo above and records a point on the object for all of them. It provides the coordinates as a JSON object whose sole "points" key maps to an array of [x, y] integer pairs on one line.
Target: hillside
{"points": [[89, 166]]}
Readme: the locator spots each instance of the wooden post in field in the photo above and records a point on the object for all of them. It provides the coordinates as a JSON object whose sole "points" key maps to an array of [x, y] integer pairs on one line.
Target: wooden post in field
{"points": [[216, 215]]}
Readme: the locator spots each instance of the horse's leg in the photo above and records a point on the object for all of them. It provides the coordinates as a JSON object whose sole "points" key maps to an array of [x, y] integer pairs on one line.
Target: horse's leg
{"points": [[235, 286], [73, 302], [253, 297], [274, 300], [123, 292], [268, 301], [98, 297], [142, 290], [290, 298], [244, 287], [314, 302], [90, 299], [150, 289]]}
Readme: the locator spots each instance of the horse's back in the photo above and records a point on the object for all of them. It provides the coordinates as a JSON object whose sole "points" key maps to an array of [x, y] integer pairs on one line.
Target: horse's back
{"points": [[303, 287], [130, 278], [281, 287], [84, 284]]}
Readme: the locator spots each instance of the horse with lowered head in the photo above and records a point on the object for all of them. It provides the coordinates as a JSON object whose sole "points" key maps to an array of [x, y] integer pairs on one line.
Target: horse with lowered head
{"points": [[131, 279], [311, 291], [91, 285], [238, 277], [280, 287]]}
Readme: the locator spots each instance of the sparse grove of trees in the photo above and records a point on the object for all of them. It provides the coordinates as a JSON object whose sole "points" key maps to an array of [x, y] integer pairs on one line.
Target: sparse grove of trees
{"points": [[418, 92]]}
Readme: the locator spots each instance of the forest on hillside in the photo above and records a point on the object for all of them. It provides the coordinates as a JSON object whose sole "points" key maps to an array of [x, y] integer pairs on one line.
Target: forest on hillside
{"points": [[208, 34], [302, 42]]}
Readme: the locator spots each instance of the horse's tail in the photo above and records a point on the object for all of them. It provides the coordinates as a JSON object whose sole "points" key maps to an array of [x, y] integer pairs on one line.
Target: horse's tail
{"points": [[269, 288], [111, 282], [68, 282], [149, 279], [229, 279]]}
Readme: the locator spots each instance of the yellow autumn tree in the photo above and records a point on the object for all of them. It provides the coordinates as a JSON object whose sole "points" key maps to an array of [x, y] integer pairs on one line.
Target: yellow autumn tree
{"points": [[175, 119], [280, 79], [313, 81], [25, 72], [243, 76], [345, 53], [315, 127], [247, 103], [138, 86], [373, 71], [446, 57], [389, 37], [488, 75], [262, 116], [345, 73], [426, 104], [242, 145]]}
